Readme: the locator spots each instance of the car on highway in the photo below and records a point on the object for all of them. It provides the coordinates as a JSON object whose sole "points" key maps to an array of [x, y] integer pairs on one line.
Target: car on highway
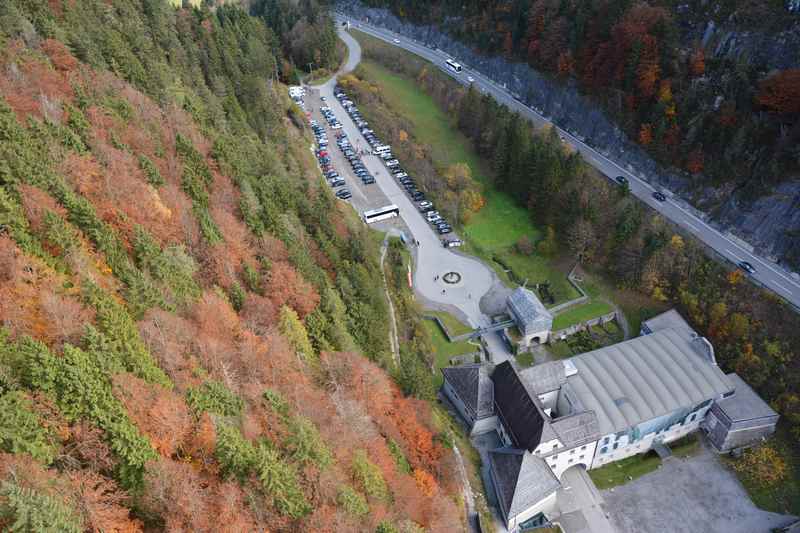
{"points": [[747, 267], [396, 41], [622, 180], [660, 196], [470, 79]]}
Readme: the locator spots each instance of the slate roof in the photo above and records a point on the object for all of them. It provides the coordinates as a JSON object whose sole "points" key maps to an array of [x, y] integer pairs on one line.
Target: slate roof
{"points": [[745, 404], [643, 378], [521, 479], [517, 407], [573, 430], [544, 377], [529, 313], [473, 386]]}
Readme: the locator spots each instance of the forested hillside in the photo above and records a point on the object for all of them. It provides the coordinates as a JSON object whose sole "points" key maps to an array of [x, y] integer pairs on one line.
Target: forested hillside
{"points": [[191, 328], [729, 121]]}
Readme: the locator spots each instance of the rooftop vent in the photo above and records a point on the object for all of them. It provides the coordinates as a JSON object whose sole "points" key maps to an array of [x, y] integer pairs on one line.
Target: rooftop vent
{"points": [[569, 368]]}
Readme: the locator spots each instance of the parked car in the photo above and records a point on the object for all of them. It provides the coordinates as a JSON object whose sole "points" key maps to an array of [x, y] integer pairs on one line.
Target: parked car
{"points": [[425, 204], [445, 230], [658, 195], [344, 194], [417, 196], [747, 267], [452, 243]]}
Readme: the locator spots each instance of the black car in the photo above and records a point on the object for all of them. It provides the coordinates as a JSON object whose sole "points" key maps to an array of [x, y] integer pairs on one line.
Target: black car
{"points": [[368, 180], [658, 195], [444, 230], [418, 196], [622, 180], [344, 194], [747, 267]]}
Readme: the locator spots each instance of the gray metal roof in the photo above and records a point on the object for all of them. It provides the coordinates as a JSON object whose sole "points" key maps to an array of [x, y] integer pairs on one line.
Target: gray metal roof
{"points": [[576, 429], [643, 378], [745, 404], [521, 479], [544, 377], [474, 386], [666, 320], [530, 314]]}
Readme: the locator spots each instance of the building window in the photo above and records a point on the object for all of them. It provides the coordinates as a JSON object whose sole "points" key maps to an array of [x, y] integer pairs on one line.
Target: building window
{"points": [[693, 417], [616, 445], [572, 452], [555, 457], [555, 446], [580, 458], [583, 447], [570, 461], [604, 449], [605, 440]]}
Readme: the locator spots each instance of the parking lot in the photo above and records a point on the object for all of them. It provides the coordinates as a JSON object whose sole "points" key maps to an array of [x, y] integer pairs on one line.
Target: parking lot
{"points": [[694, 495]]}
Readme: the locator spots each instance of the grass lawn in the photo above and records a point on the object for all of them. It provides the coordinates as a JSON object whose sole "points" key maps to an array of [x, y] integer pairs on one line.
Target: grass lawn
{"points": [[443, 349], [580, 313], [560, 350], [619, 472], [685, 446], [525, 359], [537, 269], [453, 325], [783, 497]]}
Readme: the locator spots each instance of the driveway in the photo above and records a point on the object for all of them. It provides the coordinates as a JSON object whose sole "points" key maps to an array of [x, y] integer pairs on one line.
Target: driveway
{"points": [[694, 495], [433, 260], [580, 504]]}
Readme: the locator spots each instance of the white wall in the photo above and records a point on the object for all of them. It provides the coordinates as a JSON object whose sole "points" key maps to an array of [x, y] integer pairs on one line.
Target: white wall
{"points": [[626, 449], [544, 506], [549, 399], [567, 457]]}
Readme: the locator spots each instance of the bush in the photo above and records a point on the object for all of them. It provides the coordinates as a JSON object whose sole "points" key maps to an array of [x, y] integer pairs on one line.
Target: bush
{"points": [[763, 466], [369, 477]]}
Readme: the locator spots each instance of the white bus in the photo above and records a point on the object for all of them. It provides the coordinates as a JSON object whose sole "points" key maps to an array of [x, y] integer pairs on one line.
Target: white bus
{"points": [[455, 67], [382, 213]]}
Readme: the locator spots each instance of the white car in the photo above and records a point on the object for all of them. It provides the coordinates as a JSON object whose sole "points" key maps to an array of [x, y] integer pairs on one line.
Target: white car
{"points": [[396, 41], [470, 79]]}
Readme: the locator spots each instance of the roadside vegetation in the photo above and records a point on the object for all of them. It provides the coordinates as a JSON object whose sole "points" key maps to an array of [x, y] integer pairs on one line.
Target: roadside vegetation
{"points": [[634, 256]]}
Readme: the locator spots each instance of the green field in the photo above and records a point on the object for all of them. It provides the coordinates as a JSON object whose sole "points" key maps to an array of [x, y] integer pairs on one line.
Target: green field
{"points": [[580, 314], [443, 349], [501, 222], [494, 230], [453, 325], [617, 473]]}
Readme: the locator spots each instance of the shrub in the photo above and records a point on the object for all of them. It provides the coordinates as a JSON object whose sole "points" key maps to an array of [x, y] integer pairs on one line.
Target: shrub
{"points": [[368, 477], [151, 171], [763, 466], [24, 509]]}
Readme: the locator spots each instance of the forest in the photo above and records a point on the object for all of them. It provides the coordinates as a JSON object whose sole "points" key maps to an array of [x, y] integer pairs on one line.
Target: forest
{"points": [[193, 331], [732, 125], [606, 229]]}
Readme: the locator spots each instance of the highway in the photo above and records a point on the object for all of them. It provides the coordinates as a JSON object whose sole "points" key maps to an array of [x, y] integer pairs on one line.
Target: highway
{"points": [[767, 273]]}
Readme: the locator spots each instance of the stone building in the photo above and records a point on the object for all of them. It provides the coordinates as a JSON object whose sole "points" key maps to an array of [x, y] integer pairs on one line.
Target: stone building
{"points": [[532, 319]]}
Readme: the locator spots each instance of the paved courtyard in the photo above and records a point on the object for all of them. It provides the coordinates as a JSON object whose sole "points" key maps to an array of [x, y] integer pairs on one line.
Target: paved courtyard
{"points": [[695, 495]]}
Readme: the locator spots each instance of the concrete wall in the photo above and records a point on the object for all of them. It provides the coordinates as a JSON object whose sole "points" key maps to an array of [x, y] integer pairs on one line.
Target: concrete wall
{"points": [[549, 399], [458, 403], [485, 425], [572, 330]]}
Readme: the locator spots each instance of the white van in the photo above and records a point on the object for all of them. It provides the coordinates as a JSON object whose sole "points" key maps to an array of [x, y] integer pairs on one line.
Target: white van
{"points": [[382, 149]]}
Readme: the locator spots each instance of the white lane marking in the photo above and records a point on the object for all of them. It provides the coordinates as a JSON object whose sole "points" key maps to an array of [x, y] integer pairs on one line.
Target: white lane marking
{"points": [[502, 93], [786, 290], [734, 255]]}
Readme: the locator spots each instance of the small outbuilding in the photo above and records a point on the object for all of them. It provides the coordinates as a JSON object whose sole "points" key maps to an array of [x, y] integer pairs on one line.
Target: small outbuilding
{"points": [[740, 419], [532, 319]]}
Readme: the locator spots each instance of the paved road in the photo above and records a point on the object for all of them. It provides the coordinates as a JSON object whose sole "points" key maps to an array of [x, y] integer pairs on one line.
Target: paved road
{"points": [[433, 260], [767, 273]]}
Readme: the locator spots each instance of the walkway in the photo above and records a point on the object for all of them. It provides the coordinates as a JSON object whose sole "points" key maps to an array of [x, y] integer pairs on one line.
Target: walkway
{"points": [[579, 504]]}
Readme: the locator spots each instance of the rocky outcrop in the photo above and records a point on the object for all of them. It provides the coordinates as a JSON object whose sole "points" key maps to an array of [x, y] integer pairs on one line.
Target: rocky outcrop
{"points": [[771, 224]]}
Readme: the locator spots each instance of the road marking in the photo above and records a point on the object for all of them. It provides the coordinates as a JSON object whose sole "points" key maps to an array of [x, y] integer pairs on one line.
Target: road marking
{"points": [[692, 226], [504, 95], [787, 291], [734, 255]]}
